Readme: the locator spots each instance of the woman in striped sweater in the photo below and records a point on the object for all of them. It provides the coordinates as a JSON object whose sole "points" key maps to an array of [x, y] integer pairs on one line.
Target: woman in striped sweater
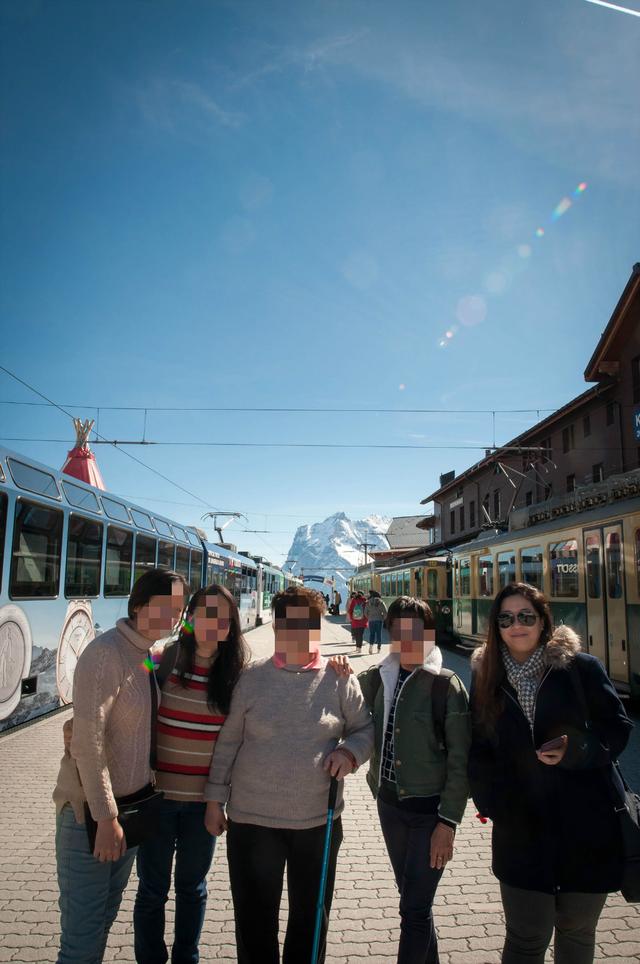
{"points": [[197, 675]]}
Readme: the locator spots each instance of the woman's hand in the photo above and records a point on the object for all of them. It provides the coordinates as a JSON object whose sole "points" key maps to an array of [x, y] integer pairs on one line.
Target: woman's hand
{"points": [[340, 664], [214, 819], [339, 764], [552, 757], [67, 733], [110, 840], [441, 845]]}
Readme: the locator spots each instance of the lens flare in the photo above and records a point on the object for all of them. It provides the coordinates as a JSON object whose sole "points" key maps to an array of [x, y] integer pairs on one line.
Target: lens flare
{"points": [[539, 232], [471, 310], [561, 208], [524, 250]]}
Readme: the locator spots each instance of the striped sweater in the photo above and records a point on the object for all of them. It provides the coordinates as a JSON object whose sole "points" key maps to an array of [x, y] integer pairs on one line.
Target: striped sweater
{"points": [[187, 734]]}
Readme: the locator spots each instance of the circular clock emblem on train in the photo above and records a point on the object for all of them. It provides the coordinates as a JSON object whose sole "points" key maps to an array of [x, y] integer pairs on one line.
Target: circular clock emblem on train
{"points": [[15, 656], [76, 633]]}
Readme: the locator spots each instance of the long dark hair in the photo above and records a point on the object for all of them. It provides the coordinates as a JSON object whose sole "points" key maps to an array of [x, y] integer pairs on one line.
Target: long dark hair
{"points": [[232, 655], [488, 703]]}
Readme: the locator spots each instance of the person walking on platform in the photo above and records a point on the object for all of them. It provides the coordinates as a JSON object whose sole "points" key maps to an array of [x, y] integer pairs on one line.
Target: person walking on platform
{"points": [[418, 769], [542, 773], [357, 618], [375, 611], [293, 724], [197, 675], [110, 757], [337, 601]]}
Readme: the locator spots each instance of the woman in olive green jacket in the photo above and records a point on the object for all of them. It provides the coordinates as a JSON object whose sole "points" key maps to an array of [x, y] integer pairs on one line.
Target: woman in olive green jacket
{"points": [[418, 771]]}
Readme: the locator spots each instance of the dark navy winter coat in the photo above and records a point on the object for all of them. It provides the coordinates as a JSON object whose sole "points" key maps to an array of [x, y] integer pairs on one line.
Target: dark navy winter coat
{"points": [[554, 827]]}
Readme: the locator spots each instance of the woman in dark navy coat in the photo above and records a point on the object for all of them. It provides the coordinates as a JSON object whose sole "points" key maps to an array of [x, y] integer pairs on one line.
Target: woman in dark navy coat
{"points": [[556, 843]]}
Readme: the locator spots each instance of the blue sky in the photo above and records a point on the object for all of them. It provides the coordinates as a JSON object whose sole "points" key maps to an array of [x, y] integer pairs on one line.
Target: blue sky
{"points": [[289, 204]]}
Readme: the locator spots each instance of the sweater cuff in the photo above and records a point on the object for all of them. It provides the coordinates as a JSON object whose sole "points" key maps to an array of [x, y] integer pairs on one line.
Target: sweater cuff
{"points": [[350, 755], [103, 808], [447, 821], [216, 792]]}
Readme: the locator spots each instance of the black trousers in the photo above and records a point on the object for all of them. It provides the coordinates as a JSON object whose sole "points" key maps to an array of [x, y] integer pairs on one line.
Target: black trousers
{"points": [[257, 859]]}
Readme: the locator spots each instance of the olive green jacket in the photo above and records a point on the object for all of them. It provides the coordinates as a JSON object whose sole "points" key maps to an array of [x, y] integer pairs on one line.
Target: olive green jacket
{"points": [[423, 767]]}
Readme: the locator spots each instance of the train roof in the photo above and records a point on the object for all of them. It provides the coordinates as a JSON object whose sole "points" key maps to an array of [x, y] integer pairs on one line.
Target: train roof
{"points": [[30, 477], [591, 516]]}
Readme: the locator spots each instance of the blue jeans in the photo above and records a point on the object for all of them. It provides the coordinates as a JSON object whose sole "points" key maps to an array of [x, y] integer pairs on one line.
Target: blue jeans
{"points": [[90, 892], [408, 840], [182, 832], [375, 632]]}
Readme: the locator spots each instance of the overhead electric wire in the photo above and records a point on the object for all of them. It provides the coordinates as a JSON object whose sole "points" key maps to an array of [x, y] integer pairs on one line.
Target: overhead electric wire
{"points": [[101, 438]]}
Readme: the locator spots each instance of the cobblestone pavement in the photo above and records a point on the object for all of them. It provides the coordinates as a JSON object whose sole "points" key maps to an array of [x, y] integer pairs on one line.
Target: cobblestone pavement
{"points": [[364, 922]]}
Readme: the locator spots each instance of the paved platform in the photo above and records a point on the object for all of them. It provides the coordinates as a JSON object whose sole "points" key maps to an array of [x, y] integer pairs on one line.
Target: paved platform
{"points": [[364, 921]]}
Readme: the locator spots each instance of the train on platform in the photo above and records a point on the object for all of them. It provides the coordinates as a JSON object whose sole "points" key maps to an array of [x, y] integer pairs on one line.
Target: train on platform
{"points": [[586, 562], [69, 555]]}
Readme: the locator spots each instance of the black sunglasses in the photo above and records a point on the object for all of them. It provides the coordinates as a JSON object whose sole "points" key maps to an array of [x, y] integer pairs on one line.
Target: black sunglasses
{"points": [[525, 617]]}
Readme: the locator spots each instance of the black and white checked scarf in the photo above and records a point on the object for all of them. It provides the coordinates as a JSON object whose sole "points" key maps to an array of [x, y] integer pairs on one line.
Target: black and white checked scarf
{"points": [[524, 677]]}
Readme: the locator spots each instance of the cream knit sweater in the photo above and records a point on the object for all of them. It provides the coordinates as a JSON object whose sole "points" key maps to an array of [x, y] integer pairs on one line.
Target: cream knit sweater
{"points": [[111, 725]]}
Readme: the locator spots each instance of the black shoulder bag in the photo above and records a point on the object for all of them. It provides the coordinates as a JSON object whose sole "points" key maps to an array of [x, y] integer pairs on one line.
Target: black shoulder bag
{"points": [[626, 804], [139, 812]]}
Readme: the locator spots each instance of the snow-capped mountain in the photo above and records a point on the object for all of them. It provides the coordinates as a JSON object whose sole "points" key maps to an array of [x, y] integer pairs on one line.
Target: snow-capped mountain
{"points": [[331, 548]]}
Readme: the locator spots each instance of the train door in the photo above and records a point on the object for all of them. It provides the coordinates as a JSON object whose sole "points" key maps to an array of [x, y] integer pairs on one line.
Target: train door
{"points": [[616, 605], [596, 605], [605, 600]]}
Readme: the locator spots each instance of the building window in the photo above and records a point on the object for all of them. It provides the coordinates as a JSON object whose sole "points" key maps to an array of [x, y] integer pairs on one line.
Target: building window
{"points": [[496, 505], [452, 521], [567, 439], [547, 491], [611, 411], [546, 448], [635, 378], [586, 425], [461, 512], [597, 473], [485, 513], [528, 499], [472, 514], [571, 483]]}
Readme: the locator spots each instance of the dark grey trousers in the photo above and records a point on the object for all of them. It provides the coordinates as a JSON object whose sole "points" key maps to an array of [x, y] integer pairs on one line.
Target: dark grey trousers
{"points": [[531, 917]]}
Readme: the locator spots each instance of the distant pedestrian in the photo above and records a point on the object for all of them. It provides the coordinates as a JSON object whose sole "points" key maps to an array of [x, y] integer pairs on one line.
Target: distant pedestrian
{"points": [[556, 840], [357, 618], [375, 611], [337, 601]]}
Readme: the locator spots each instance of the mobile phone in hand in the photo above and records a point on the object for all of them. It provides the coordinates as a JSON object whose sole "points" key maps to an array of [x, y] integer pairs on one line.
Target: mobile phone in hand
{"points": [[555, 744]]}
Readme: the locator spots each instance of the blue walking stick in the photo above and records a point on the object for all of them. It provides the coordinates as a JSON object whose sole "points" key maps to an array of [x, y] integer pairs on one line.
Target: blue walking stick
{"points": [[333, 791]]}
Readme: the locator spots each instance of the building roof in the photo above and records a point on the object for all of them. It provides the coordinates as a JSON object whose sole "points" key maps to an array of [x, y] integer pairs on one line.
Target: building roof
{"points": [[404, 534], [601, 363]]}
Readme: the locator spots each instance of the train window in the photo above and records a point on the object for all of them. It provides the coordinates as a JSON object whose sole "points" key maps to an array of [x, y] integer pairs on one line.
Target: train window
{"points": [[613, 557], [638, 559], [115, 510], [418, 578], [407, 583], [37, 546], [2, 475], [145, 555], [165, 554], [563, 558], [3, 527], [142, 520], [531, 566], [81, 498], [465, 577], [594, 567], [215, 572], [182, 561], [456, 579], [117, 569], [33, 480], [163, 527], [432, 583], [485, 575], [196, 571], [506, 568], [84, 558], [192, 536]]}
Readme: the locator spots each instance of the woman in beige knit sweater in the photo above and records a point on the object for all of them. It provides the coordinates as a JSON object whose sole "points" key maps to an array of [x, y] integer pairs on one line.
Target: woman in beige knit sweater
{"points": [[109, 758]]}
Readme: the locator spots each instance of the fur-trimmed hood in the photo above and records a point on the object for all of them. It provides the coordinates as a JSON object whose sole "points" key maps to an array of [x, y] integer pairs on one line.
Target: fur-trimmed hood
{"points": [[563, 646]]}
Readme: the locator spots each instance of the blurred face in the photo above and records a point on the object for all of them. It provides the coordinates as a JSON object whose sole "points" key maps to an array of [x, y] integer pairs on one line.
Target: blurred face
{"points": [[211, 623], [411, 640], [297, 634], [158, 618], [520, 627]]}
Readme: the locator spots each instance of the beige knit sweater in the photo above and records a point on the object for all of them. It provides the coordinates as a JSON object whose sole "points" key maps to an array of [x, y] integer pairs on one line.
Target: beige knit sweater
{"points": [[112, 724]]}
